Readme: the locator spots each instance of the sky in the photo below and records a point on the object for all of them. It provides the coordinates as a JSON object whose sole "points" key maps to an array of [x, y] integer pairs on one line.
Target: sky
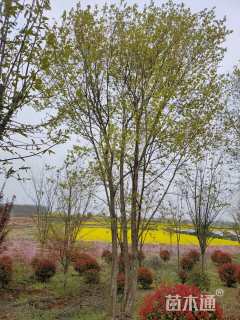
{"points": [[228, 8]]}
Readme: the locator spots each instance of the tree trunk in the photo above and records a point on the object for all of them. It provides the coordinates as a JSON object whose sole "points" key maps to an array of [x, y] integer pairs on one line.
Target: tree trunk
{"points": [[114, 271], [132, 291], [124, 222], [178, 253], [65, 271], [140, 251], [131, 297], [203, 251]]}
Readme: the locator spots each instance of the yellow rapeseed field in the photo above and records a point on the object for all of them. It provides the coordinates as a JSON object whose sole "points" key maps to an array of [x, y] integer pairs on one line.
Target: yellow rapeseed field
{"points": [[157, 236]]}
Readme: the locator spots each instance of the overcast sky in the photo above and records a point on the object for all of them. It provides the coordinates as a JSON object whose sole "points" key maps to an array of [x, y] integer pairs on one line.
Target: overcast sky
{"points": [[228, 8]]}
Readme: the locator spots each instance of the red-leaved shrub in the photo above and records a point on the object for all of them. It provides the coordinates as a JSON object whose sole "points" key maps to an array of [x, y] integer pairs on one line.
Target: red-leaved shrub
{"points": [[183, 276], [107, 256], [215, 255], [5, 271], [187, 263], [145, 277], [219, 257], [120, 282], [86, 263], [224, 258], [228, 273], [76, 255], [44, 268], [91, 276], [165, 255], [154, 307], [194, 255]]}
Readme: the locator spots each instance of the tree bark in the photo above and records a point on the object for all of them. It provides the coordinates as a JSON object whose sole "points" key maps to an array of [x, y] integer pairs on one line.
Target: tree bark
{"points": [[134, 230], [114, 271]]}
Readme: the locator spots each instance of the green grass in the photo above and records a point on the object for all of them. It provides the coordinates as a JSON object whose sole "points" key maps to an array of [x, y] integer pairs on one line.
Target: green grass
{"points": [[28, 299]]}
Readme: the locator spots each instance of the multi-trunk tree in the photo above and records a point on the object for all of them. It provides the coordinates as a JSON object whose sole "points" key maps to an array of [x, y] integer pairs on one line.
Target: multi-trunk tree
{"points": [[75, 187], [206, 191], [141, 87], [43, 193]]}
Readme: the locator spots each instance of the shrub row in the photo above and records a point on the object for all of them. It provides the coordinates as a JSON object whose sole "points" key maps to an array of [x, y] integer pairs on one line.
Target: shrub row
{"points": [[44, 268]]}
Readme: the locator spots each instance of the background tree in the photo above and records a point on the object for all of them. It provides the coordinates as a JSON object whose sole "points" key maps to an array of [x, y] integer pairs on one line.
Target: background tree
{"points": [[75, 192], [236, 222], [141, 87], [43, 194], [177, 211], [232, 121], [205, 193], [232, 118]]}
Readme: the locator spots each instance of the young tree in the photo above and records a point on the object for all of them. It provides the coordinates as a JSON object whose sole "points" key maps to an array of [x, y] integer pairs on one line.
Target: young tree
{"points": [[44, 198], [75, 191], [205, 193], [142, 88], [177, 213]]}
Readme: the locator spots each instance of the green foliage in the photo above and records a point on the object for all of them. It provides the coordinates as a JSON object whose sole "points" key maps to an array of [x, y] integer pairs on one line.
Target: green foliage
{"points": [[22, 34], [153, 262], [90, 316], [164, 59], [199, 279]]}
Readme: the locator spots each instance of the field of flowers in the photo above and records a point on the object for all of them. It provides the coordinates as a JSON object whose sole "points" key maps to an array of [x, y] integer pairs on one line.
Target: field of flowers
{"points": [[159, 235]]}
